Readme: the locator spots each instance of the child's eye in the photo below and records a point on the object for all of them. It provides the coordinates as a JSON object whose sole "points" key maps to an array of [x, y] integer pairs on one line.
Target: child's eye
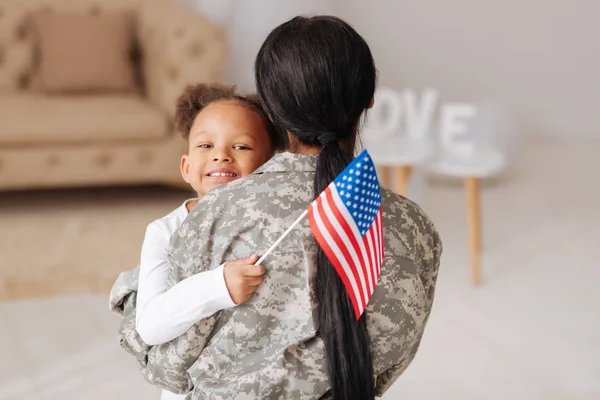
{"points": [[204, 146], [240, 147]]}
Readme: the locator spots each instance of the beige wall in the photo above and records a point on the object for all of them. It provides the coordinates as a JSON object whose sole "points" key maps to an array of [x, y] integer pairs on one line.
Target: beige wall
{"points": [[541, 58]]}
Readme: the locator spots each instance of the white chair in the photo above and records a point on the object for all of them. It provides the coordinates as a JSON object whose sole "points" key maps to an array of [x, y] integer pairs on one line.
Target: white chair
{"points": [[474, 157], [382, 135]]}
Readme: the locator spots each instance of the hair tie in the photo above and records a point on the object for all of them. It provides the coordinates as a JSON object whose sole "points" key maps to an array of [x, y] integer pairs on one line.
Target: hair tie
{"points": [[328, 138]]}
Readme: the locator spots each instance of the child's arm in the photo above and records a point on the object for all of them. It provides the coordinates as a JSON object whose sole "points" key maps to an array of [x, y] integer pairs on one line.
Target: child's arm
{"points": [[162, 314]]}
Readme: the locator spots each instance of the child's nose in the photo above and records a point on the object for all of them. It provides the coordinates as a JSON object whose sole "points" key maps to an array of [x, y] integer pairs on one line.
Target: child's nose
{"points": [[222, 156]]}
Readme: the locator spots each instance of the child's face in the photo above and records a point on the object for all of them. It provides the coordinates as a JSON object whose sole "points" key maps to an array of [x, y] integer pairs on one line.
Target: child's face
{"points": [[227, 141]]}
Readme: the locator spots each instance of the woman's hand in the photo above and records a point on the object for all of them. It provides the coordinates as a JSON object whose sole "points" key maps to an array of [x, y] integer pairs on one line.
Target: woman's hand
{"points": [[242, 278]]}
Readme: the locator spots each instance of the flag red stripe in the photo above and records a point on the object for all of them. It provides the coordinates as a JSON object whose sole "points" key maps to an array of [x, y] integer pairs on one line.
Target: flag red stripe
{"points": [[353, 236], [382, 253], [379, 231], [332, 257], [335, 234]]}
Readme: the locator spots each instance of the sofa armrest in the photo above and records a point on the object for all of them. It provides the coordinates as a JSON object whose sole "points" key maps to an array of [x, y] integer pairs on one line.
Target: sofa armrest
{"points": [[179, 47]]}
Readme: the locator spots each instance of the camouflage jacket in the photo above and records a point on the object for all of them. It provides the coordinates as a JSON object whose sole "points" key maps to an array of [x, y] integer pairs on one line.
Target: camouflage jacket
{"points": [[267, 348], [122, 301]]}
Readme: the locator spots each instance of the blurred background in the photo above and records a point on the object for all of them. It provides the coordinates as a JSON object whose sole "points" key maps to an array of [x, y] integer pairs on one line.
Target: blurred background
{"points": [[490, 105]]}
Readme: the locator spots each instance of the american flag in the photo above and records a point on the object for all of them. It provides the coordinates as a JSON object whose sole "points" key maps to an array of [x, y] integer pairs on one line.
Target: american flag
{"points": [[346, 220]]}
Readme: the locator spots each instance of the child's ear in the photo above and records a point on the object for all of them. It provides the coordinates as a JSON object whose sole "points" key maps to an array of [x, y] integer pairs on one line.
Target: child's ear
{"points": [[184, 166]]}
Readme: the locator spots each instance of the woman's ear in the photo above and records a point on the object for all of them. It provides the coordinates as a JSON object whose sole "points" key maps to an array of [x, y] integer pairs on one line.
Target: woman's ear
{"points": [[372, 103], [184, 167]]}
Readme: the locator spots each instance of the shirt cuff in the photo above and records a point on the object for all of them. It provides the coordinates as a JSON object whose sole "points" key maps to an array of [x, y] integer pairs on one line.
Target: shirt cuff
{"points": [[223, 301]]}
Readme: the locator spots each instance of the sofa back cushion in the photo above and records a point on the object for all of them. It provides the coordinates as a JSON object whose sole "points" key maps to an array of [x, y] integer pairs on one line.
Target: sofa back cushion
{"points": [[85, 53], [29, 119], [19, 63]]}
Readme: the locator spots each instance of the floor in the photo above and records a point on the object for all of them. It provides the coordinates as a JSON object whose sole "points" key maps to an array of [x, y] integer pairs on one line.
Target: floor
{"points": [[69, 241], [530, 331]]}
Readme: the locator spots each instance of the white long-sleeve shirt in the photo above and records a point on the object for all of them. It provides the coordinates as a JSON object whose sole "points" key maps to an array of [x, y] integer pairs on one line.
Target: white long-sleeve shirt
{"points": [[161, 314]]}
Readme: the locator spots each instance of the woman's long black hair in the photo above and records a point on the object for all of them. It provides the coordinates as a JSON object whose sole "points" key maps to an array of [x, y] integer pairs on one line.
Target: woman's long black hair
{"points": [[315, 77]]}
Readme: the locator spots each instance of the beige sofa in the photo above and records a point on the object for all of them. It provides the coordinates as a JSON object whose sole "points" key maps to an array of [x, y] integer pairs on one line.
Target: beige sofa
{"points": [[62, 140]]}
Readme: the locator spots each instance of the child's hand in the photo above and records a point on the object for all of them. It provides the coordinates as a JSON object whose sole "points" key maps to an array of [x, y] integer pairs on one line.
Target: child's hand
{"points": [[242, 278]]}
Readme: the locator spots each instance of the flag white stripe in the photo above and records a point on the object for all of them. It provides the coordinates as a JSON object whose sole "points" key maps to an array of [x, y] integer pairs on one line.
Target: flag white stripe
{"points": [[344, 237], [363, 252], [339, 255], [374, 239], [379, 233]]}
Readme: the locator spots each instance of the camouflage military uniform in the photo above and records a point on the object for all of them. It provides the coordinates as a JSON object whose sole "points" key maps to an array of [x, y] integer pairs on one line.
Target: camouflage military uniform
{"points": [[267, 348]]}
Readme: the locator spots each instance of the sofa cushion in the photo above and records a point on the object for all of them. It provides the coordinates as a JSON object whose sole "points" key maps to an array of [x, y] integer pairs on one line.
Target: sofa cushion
{"points": [[38, 119], [82, 52]]}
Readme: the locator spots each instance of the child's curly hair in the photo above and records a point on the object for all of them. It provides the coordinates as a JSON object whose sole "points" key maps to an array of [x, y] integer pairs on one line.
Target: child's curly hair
{"points": [[196, 97]]}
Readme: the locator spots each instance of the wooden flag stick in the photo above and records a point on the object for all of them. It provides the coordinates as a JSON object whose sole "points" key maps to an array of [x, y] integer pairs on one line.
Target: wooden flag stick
{"points": [[262, 258]]}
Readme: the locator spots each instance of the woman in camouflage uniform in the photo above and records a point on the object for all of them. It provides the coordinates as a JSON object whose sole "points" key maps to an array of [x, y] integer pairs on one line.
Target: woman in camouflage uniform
{"points": [[298, 337]]}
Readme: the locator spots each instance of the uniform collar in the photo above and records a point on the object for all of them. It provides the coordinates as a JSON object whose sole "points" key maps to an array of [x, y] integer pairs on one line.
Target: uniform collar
{"points": [[289, 162]]}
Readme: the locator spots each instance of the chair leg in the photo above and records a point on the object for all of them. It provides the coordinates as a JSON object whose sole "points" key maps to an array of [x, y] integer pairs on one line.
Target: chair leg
{"points": [[385, 176], [402, 174], [474, 222]]}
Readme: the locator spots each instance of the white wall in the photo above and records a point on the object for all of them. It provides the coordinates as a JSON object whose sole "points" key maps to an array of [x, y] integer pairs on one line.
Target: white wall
{"points": [[248, 22], [541, 58]]}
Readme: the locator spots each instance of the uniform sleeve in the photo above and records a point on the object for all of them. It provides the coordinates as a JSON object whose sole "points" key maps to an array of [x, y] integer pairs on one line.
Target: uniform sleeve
{"points": [[387, 378], [428, 267]]}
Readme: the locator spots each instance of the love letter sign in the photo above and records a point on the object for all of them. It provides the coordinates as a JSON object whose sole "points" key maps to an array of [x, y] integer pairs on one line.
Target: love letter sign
{"points": [[392, 109]]}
